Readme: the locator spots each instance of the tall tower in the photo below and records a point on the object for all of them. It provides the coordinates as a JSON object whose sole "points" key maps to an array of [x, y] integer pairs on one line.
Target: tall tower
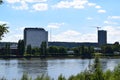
{"points": [[35, 36], [102, 37]]}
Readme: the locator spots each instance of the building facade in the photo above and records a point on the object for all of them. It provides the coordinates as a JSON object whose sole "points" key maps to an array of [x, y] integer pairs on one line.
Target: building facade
{"points": [[102, 37], [35, 36]]}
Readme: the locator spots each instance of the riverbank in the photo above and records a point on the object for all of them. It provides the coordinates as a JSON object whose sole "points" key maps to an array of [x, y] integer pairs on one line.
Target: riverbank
{"points": [[59, 56]]}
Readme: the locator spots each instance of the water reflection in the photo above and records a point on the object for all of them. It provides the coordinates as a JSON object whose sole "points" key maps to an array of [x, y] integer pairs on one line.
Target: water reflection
{"points": [[33, 67]]}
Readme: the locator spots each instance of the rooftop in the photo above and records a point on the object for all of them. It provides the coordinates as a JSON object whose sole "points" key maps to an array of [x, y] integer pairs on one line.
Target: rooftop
{"points": [[34, 29]]}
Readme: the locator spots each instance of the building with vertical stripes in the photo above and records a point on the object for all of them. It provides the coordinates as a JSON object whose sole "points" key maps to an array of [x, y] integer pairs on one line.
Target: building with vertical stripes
{"points": [[35, 36]]}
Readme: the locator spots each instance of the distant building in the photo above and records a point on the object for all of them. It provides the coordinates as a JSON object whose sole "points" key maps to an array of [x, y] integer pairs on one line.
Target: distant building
{"points": [[102, 37], [35, 36], [72, 44]]}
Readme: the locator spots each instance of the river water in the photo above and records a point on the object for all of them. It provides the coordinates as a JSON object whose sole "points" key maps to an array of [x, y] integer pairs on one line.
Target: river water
{"points": [[14, 68]]}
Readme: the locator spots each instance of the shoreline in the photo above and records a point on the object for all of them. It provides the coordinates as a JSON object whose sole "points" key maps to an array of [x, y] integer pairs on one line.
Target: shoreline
{"points": [[59, 57]]}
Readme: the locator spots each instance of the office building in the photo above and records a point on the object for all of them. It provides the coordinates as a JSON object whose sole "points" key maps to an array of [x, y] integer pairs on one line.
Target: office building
{"points": [[35, 36], [102, 37]]}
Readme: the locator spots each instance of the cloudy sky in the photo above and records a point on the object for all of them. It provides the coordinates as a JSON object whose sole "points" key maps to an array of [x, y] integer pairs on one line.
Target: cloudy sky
{"points": [[66, 20]]}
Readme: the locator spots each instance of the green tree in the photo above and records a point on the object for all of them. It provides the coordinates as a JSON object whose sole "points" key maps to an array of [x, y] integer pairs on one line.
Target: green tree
{"points": [[77, 51], [62, 50], [98, 73], [116, 46], [116, 73], [29, 50], [3, 30], [36, 51], [1, 1], [108, 75], [3, 27], [107, 49], [61, 77], [21, 47], [7, 49], [44, 48], [82, 51], [90, 51], [53, 49]]}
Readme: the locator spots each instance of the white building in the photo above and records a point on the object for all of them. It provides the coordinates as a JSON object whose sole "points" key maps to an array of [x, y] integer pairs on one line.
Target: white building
{"points": [[35, 36]]}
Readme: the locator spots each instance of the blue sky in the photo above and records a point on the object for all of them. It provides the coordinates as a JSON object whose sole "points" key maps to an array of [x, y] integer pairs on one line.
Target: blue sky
{"points": [[68, 20]]}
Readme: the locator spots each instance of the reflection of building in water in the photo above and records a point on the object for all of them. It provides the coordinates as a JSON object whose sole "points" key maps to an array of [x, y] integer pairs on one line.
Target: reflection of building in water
{"points": [[33, 67]]}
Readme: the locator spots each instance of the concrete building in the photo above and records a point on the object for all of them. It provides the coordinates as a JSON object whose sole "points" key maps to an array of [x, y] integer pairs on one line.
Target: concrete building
{"points": [[35, 36], [102, 37]]}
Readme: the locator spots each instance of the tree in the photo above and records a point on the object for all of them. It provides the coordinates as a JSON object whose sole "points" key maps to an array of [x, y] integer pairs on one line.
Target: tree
{"points": [[53, 49], [98, 73], [107, 49], [3, 30], [62, 50], [116, 46], [1, 1], [44, 48], [3, 27], [116, 72], [7, 50], [77, 50], [36, 51], [21, 47], [29, 50]]}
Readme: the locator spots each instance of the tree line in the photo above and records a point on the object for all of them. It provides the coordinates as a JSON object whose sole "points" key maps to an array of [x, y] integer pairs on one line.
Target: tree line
{"points": [[44, 50]]}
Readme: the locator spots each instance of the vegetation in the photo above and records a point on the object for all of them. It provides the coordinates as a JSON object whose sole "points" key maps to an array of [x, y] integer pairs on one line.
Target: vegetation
{"points": [[29, 50], [3, 30], [85, 52], [81, 51], [44, 48], [111, 49], [1, 1], [21, 47]]}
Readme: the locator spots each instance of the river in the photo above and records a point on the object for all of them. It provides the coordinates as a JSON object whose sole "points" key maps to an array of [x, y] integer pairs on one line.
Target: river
{"points": [[14, 68]]}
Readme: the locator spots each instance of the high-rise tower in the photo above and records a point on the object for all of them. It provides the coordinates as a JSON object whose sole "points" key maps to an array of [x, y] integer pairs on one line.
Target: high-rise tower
{"points": [[102, 37]]}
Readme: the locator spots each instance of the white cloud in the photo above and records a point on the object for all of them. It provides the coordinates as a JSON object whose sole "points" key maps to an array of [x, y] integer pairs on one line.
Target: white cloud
{"points": [[113, 17], [20, 29], [29, 1], [98, 7], [113, 33], [12, 37], [74, 36], [13, 1], [4, 22], [77, 4], [91, 4], [110, 22], [40, 7], [32, 1], [71, 4], [89, 18], [101, 11], [24, 6], [55, 25]]}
